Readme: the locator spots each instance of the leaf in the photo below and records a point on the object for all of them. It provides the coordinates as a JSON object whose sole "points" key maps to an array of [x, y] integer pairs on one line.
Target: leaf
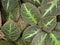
{"points": [[11, 30], [49, 7], [49, 41], [49, 23], [57, 26], [15, 13], [2, 42], [29, 33], [54, 39], [30, 13], [39, 39], [9, 5], [20, 42], [36, 2]]}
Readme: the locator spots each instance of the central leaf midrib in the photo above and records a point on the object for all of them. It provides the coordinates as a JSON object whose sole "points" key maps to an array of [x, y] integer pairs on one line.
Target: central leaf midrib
{"points": [[30, 15], [10, 28]]}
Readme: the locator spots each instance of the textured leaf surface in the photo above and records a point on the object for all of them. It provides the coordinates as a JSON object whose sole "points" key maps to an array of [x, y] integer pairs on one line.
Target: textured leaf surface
{"points": [[29, 33], [9, 5], [2, 42], [39, 39], [49, 7], [15, 13], [11, 30], [20, 42], [30, 13], [36, 2], [49, 41], [49, 23], [54, 39], [58, 26]]}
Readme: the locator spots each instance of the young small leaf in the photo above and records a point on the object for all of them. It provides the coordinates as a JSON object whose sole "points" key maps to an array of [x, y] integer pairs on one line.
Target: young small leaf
{"points": [[49, 23], [11, 30]]}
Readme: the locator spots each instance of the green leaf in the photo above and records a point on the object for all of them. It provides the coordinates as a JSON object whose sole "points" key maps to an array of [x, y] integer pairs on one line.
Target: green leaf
{"points": [[39, 39], [49, 7], [48, 40], [30, 13], [9, 5], [20, 42], [2, 42], [49, 23], [36, 2], [29, 33], [11, 30], [54, 39], [58, 26], [15, 14]]}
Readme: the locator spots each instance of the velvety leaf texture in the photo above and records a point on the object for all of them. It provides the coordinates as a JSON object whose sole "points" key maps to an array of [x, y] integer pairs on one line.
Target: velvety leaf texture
{"points": [[36, 2], [9, 5], [30, 13], [49, 7], [20, 42], [49, 23], [58, 26], [15, 14], [11, 30], [29, 33], [49, 41], [39, 39]]}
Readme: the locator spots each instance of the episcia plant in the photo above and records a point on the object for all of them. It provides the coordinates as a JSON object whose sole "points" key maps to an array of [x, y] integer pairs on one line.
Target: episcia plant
{"points": [[27, 24]]}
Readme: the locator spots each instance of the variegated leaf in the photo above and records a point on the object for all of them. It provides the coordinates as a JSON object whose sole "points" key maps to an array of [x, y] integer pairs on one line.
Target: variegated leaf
{"points": [[49, 23], [30, 13], [29, 33], [11, 30], [19, 42], [54, 39], [49, 41], [39, 39], [9, 5], [15, 13], [49, 8]]}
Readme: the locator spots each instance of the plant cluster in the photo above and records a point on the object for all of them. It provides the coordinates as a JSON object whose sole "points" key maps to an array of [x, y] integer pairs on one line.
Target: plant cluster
{"points": [[30, 22]]}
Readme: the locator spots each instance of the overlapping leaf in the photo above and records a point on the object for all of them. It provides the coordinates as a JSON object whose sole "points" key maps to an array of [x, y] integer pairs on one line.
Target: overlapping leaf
{"points": [[39, 39], [15, 13], [54, 39], [20, 42], [30, 13], [29, 33], [9, 5], [49, 7], [48, 41], [11, 30], [57, 26], [49, 23], [36, 2]]}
